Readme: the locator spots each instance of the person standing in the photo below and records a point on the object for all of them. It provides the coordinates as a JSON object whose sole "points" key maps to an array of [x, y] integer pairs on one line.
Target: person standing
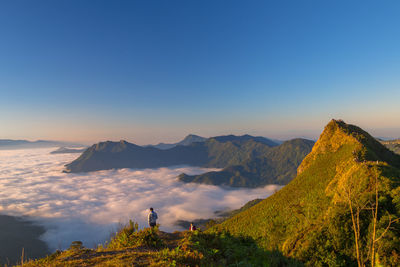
{"points": [[152, 218]]}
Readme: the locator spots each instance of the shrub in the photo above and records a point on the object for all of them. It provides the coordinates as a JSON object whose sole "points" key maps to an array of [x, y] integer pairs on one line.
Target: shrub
{"points": [[223, 249], [76, 245], [130, 236]]}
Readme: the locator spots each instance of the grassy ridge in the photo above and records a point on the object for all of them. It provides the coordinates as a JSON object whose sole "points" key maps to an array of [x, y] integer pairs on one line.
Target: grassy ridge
{"points": [[150, 247], [301, 220]]}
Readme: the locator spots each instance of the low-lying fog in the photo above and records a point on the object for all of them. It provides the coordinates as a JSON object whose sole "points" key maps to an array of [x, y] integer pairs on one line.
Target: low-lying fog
{"points": [[89, 206]]}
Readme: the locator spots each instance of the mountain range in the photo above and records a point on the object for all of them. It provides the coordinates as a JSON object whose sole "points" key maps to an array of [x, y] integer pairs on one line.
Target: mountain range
{"points": [[247, 161], [393, 145], [67, 150], [342, 208], [6, 144]]}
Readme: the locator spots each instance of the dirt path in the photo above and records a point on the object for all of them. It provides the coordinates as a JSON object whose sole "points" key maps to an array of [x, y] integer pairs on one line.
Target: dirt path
{"points": [[91, 257]]}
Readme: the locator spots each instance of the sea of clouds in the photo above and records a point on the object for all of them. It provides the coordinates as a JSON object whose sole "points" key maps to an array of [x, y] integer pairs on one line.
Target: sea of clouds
{"points": [[90, 206]]}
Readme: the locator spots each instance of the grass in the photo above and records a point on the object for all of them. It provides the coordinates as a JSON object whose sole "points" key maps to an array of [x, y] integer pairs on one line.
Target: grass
{"points": [[151, 247]]}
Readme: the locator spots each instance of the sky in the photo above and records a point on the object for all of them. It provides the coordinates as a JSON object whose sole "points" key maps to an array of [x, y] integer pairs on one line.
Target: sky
{"points": [[152, 71]]}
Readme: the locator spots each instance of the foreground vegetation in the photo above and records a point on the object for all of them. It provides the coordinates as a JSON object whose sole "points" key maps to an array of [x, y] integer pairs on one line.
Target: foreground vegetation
{"points": [[151, 247]]}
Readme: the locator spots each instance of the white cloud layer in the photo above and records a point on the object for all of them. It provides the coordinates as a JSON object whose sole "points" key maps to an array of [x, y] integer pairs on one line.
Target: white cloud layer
{"points": [[89, 206]]}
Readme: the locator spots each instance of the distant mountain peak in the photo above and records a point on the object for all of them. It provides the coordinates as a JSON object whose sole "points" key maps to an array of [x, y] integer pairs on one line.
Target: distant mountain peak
{"points": [[188, 140], [191, 138]]}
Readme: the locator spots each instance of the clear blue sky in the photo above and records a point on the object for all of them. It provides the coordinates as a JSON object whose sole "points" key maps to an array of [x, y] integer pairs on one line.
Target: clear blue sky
{"points": [[150, 71]]}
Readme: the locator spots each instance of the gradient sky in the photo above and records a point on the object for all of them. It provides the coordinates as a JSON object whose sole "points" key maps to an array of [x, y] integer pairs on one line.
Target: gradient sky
{"points": [[150, 71]]}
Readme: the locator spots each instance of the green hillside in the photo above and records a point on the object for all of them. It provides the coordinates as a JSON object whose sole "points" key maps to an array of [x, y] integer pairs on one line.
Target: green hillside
{"points": [[310, 218]]}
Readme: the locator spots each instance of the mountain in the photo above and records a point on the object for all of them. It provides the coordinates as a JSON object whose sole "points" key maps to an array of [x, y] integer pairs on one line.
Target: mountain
{"points": [[247, 161], [64, 150], [110, 155], [393, 145], [321, 214], [276, 165], [188, 140], [6, 144], [210, 153]]}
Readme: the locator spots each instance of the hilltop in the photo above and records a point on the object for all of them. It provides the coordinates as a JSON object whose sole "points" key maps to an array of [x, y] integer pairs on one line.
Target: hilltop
{"points": [[310, 219], [247, 161]]}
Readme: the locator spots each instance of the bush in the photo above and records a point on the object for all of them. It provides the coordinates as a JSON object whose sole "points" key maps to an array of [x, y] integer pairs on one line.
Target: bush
{"points": [[224, 249], [130, 236]]}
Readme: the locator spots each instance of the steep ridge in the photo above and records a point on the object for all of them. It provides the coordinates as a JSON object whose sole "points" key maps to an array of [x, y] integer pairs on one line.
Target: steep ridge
{"points": [[310, 218]]}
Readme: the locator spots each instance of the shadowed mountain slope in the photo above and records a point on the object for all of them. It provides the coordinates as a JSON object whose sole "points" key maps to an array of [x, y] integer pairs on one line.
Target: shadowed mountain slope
{"points": [[276, 165], [16, 235], [310, 218], [109, 155]]}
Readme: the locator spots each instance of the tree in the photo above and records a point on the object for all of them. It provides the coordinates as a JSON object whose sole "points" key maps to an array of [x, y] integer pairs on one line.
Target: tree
{"points": [[358, 187]]}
